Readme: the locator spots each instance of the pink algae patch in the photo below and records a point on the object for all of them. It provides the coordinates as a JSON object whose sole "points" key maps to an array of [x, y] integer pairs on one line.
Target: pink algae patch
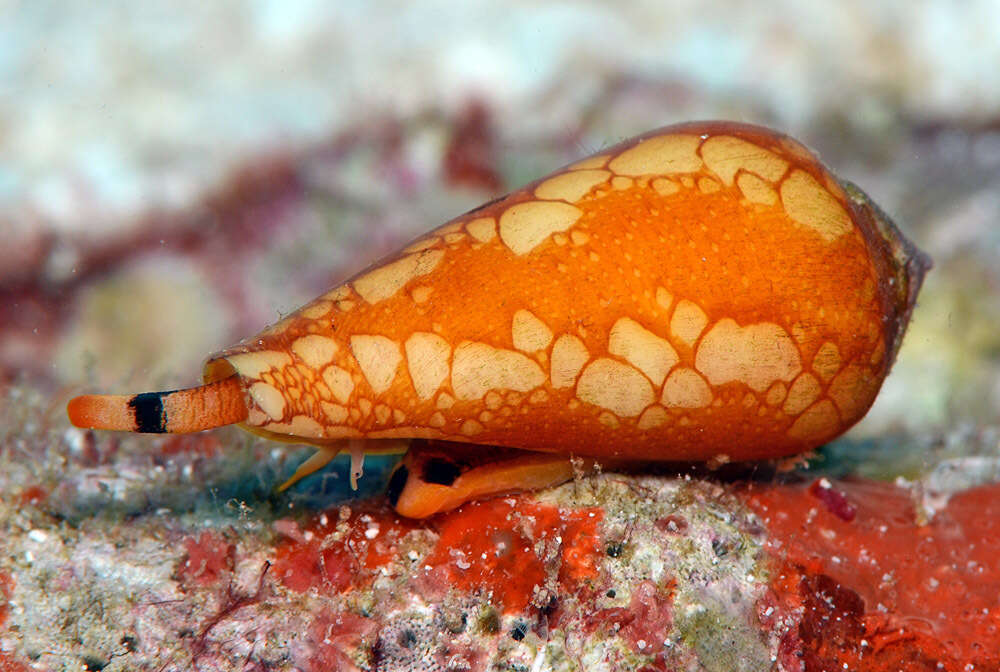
{"points": [[470, 158], [8, 664], [511, 546], [208, 559], [6, 590], [33, 495], [504, 546], [330, 639], [334, 555], [836, 502], [878, 591], [645, 623], [203, 445]]}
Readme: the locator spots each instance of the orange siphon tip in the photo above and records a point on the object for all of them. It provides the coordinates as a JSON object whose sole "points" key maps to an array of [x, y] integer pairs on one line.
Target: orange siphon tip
{"points": [[96, 411]]}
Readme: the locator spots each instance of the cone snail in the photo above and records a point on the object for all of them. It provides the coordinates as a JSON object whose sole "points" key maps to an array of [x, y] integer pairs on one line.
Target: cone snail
{"points": [[706, 289]]}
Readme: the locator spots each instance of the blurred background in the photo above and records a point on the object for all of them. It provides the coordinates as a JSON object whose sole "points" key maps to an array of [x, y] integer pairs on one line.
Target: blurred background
{"points": [[175, 176]]}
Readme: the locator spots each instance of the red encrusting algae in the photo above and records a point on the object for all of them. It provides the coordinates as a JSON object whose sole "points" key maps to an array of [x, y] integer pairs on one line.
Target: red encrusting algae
{"points": [[836, 501], [645, 623], [508, 547], [204, 445], [335, 554], [33, 495], [6, 590], [8, 664], [504, 546], [878, 590], [331, 636], [209, 558]]}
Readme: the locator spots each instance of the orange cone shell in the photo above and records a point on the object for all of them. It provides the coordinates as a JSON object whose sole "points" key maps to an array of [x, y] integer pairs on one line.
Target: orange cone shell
{"points": [[705, 289]]}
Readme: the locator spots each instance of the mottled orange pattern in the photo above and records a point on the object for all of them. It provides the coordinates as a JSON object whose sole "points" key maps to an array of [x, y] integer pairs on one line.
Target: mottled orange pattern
{"points": [[705, 289]]}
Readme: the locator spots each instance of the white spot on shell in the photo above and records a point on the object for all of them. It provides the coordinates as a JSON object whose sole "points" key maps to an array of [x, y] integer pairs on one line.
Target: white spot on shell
{"points": [[686, 389], [483, 229], [664, 298], [571, 186], [427, 360], [660, 155], [643, 349], [478, 368], [569, 354], [614, 386], [316, 351], [385, 281], [526, 225], [471, 428], [315, 310], [654, 416], [688, 321], [724, 155], [269, 399], [826, 363], [755, 355], [853, 390], [421, 294], [817, 423], [756, 190], [252, 364], [300, 425], [336, 413], [340, 383], [803, 392], [529, 333], [378, 357], [591, 162], [810, 204], [665, 187]]}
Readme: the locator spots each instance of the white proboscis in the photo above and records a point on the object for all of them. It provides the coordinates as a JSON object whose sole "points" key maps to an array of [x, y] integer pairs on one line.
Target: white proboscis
{"points": [[357, 462]]}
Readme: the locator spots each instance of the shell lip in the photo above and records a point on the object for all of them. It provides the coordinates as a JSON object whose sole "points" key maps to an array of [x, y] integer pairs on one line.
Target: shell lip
{"points": [[218, 367], [908, 264]]}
